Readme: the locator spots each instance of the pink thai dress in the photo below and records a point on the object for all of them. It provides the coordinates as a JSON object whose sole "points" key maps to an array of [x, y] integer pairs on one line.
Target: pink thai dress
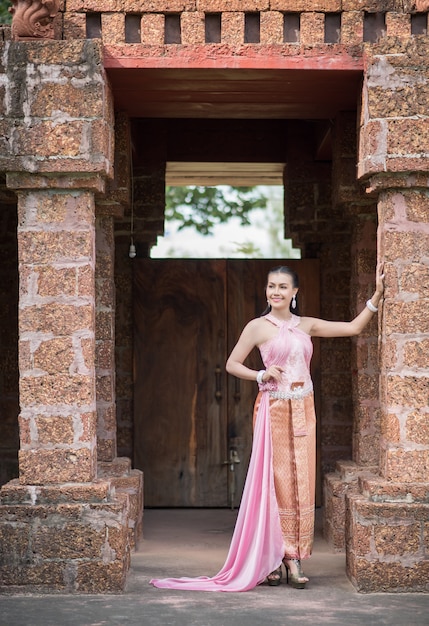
{"points": [[276, 515]]}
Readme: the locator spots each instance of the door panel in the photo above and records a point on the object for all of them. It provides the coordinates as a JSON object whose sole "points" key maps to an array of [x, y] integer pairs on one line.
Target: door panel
{"points": [[193, 422], [179, 404]]}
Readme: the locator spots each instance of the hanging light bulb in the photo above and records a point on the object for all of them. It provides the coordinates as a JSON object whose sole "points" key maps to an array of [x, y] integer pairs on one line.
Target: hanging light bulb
{"points": [[132, 251]]}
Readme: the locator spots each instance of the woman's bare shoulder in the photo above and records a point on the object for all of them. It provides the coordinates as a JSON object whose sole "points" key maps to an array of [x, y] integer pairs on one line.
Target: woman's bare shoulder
{"points": [[259, 330]]}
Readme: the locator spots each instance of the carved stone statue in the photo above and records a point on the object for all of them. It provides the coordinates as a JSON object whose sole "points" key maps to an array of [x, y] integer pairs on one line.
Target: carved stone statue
{"points": [[32, 19]]}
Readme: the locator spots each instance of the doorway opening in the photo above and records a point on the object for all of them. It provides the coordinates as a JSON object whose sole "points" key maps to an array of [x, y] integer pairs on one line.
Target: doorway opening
{"points": [[224, 221]]}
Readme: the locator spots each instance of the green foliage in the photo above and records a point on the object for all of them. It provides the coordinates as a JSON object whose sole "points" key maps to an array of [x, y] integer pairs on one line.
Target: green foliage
{"points": [[204, 207], [5, 16]]}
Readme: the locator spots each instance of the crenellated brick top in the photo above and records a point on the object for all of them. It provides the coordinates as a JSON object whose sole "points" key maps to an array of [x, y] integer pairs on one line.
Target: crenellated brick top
{"points": [[239, 22]]}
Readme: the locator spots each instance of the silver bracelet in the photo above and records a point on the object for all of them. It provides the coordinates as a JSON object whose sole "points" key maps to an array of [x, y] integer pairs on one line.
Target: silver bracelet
{"points": [[259, 376], [371, 307]]}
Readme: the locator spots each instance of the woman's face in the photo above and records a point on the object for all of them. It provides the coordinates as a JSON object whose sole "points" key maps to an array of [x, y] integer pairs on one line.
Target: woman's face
{"points": [[280, 291]]}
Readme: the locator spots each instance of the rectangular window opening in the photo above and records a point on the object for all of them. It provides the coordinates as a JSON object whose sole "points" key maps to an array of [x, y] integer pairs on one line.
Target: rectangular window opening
{"points": [[213, 23], [332, 27], [252, 27], [419, 24], [173, 32], [93, 25], [291, 27], [132, 28], [374, 26]]}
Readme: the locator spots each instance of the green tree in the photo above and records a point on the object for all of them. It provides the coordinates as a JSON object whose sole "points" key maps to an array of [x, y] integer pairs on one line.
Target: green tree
{"points": [[203, 208], [5, 16]]}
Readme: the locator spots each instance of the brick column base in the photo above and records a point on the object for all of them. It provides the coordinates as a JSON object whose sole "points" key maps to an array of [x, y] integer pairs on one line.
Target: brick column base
{"points": [[129, 482], [336, 487], [64, 538], [387, 540]]}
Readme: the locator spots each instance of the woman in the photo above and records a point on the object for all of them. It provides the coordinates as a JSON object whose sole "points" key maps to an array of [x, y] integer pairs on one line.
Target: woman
{"points": [[275, 522]]}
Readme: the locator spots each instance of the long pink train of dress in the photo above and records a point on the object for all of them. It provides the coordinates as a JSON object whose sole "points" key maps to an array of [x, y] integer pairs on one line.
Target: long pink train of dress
{"points": [[276, 515]]}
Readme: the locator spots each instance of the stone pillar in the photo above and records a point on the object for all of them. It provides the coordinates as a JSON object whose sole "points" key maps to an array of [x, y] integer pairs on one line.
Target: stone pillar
{"points": [[57, 343], [387, 520], [62, 527]]}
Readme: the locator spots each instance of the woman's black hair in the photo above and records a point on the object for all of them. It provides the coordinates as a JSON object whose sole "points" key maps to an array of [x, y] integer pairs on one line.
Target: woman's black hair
{"points": [[283, 269]]}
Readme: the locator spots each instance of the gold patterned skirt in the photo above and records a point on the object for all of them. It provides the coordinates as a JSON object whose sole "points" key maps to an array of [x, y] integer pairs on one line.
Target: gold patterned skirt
{"points": [[293, 433]]}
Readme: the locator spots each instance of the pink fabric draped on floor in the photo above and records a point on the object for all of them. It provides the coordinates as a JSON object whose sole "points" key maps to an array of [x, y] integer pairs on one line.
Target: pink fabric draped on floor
{"points": [[257, 544]]}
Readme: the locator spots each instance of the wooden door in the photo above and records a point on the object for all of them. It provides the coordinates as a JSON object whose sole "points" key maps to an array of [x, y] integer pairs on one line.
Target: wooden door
{"points": [[179, 400], [193, 422]]}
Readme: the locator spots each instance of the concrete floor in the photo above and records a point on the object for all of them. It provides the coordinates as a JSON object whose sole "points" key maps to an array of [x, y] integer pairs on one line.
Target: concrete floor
{"points": [[195, 542]]}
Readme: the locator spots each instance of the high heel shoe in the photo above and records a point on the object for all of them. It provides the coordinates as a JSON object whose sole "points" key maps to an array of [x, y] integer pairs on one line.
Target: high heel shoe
{"points": [[298, 579], [275, 577]]}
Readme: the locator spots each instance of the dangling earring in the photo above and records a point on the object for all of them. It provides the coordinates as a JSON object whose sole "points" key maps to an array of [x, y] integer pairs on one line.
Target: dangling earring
{"points": [[294, 302]]}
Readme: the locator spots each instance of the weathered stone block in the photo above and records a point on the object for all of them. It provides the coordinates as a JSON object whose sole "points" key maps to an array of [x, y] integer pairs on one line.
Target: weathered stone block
{"points": [[405, 317], [54, 355], [105, 388], [97, 491], [405, 391], [105, 355], [54, 247], [104, 326], [64, 209], [312, 28], [398, 24], [417, 206], [306, 5], [69, 541], [120, 467], [405, 465], [407, 136], [401, 100], [351, 27], [49, 390], [389, 530], [107, 418], [55, 318], [25, 434], [54, 429], [85, 281], [415, 280], [192, 28], [232, 29], [74, 547], [390, 427], [415, 353], [105, 293], [51, 281], [220, 6], [152, 29], [405, 245], [132, 6], [271, 27], [377, 489], [101, 577], [39, 467], [74, 26], [62, 100], [113, 28], [106, 447], [87, 427]]}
